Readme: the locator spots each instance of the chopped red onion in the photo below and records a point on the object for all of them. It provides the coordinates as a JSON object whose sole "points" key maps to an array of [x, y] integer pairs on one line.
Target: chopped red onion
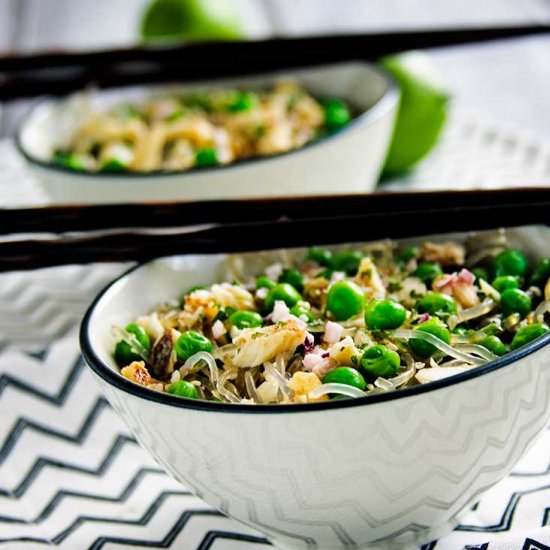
{"points": [[218, 329], [325, 367], [309, 342], [312, 360], [333, 332], [280, 312], [443, 281], [463, 277], [466, 276]]}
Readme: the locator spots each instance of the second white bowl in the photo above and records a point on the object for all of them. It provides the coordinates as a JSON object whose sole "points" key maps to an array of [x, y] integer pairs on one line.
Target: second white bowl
{"points": [[387, 471], [345, 163]]}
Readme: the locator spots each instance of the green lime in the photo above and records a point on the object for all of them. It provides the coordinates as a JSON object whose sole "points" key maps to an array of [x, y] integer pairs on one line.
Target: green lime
{"points": [[422, 110], [191, 20]]}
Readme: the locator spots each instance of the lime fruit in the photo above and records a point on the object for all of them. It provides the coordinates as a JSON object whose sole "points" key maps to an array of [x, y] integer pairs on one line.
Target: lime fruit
{"points": [[422, 110], [191, 21]]}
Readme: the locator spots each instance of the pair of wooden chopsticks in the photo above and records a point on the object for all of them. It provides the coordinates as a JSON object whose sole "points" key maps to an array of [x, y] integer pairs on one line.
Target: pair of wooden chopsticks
{"points": [[61, 73], [264, 224], [82, 234]]}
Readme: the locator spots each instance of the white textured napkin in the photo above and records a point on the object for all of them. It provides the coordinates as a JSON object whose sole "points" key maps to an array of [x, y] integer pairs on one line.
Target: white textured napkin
{"points": [[72, 476]]}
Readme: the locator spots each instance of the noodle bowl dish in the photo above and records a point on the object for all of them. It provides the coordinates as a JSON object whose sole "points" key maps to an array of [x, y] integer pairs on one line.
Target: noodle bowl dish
{"points": [[334, 396], [250, 136]]}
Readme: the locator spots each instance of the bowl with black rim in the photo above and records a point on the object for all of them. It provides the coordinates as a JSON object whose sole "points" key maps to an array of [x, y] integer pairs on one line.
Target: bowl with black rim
{"points": [[346, 161], [389, 470]]}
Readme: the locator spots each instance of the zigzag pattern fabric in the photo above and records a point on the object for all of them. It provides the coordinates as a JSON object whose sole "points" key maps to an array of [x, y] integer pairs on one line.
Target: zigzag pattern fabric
{"points": [[71, 475]]}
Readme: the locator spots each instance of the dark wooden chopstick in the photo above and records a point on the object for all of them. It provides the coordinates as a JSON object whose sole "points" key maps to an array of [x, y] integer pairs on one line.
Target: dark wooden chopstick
{"points": [[136, 245], [374, 44], [62, 219], [61, 73]]}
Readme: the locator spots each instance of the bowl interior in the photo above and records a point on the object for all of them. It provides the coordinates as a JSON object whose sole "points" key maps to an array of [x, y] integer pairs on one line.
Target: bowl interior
{"points": [[167, 279], [52, 123]]}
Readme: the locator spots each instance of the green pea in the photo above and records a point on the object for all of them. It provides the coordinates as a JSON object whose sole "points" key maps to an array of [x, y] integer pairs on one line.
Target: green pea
{"points": [[124, 353], [265, 282], [541, 273], [229, 311], [462, 331], [141, 336], [292, 277], [243, 101], [504, 282], [337, 114], [182, 388], [282, 291], [427, 272], [60, 157], [480, 273], [380, 361], [191, 342], [494, 344], [515, 300], [113, 165], [511, 262], [527, 334], [199, 101], [302, 310], [69, 160], [408, 254], [347, 262], [206, 157], [322, 256], [432, 326], [345, 299], [491, 329], [345, 375], [384, 315], [127, 111], [176, 114], [436, 303], [246, 319]]}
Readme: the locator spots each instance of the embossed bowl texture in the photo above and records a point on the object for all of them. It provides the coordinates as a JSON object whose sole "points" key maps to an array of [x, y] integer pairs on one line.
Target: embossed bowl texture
{"points": [[391, 471], [348, 161]]}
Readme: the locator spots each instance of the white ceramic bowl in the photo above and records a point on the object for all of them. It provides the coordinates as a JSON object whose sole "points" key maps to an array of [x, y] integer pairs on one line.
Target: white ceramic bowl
{"points": [[346, 162], [393, 469]]}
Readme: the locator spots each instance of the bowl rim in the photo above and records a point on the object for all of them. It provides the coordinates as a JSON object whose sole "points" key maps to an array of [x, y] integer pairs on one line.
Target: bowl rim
{"points": [[380, 107], [113, 378]]}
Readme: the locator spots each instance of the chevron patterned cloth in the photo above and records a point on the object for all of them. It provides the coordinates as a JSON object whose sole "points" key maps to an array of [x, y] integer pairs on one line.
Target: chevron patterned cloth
{"points": [[72, 476]]}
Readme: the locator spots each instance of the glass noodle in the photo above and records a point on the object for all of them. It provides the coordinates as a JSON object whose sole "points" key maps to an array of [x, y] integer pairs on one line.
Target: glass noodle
{"points": [[356, 322]]}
